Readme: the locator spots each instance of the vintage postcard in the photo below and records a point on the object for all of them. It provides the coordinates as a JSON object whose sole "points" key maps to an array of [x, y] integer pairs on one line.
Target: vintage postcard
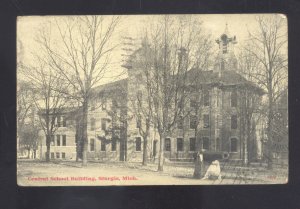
{"points": [[152, 100]]}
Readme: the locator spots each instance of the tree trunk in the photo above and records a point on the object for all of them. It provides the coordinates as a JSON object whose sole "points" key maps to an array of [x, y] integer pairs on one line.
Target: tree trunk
{"points": [[270, 128], [84, 132], [161, 152], [145, 151], [48, 141], [199, 165], [246, 150]]}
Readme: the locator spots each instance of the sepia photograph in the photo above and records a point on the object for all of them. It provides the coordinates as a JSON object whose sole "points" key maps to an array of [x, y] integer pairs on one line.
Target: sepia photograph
{"points": [[115, 100]]}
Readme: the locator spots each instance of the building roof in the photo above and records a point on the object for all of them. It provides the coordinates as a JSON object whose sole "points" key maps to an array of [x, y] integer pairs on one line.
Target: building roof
{"points": [[119, 86], [226, 78]]}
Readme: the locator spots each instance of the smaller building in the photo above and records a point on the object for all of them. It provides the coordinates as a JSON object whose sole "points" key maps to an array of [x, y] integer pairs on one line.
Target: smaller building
{"points": [[63, 141]]}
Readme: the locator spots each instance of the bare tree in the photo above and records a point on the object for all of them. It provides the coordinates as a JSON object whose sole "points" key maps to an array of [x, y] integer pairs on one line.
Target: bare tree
{"points": [[46, 87], [24, 103], [172, 52], [29, 138], [251, 107], [268, 46], [142, 101], [26, 127], [197, 92], [82, 57]]}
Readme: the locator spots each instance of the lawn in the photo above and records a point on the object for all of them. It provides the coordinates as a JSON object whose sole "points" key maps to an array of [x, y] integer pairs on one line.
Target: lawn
{"points": [[64, 173]]}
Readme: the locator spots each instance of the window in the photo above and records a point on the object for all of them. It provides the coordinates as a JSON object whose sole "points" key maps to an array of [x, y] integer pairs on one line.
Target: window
{"points": [[113, 144], [233, 99], [193, 103], [103, 147], [180, 123], [167, 144], [181, 104], [205, 121], [206, 98], [92, 145], [218, 144], [58, 140], [52, 140], [179, 144], [64, 121], [138, 144], [205, 144], [52, 155], [233, 145], [103, 124], [57, 155], [64, 140], [93, 124], [192, 144], [58, 121], [138, 123], [114, 104], [193, 121], [63, 155], [233, 122]]}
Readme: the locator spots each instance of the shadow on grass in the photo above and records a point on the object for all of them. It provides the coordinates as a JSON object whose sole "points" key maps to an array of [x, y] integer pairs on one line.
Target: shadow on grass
{"points": [[184, 177]]}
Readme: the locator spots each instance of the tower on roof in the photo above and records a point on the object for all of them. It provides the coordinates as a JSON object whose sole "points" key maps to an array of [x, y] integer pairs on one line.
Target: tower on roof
{"points": [[225, 42], [226, 59]]}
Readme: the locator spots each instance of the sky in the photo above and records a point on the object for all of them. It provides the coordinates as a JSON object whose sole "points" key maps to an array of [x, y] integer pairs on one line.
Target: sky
{"points": [[130, 25]]}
